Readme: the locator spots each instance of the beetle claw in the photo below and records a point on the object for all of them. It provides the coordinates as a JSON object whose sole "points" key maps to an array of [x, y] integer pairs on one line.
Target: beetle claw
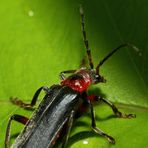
{"points": [[131, 116], [111, 139]]}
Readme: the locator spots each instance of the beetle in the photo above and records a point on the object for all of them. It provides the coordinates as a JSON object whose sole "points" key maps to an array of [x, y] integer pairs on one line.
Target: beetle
{"points": [[63, 103]]}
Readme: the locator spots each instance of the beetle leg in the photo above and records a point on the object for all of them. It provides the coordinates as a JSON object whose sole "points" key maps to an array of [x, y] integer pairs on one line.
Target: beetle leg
{"points": [[17, 118], [115, 109], [29, 106], [97, 130], [68, 129], [62, 74]]}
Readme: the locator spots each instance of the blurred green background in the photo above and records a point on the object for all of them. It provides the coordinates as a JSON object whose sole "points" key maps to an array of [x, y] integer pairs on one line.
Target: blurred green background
{"points": [[39, 39]]}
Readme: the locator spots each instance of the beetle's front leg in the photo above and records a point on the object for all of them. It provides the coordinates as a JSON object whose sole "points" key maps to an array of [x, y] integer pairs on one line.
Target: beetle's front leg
{"points": [[97, 130]]}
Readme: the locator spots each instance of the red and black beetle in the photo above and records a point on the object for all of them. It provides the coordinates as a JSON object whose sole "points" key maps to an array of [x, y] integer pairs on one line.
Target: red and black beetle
{"points": [[62, 104]]}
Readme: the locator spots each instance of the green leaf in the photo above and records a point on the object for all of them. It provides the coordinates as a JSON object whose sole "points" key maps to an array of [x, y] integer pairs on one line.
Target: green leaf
{"points": [[125, 131], [39, 39]]}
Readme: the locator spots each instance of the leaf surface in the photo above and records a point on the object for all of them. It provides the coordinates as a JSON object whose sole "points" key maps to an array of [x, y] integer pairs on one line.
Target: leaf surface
{"points": [[39, 39]]}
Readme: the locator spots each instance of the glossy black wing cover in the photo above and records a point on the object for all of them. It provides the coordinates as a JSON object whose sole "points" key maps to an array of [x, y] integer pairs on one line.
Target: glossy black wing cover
{"points": [[50, 117]]}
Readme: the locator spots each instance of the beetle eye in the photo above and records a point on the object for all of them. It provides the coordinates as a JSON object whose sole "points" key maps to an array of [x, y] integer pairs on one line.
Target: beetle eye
{"points": [[100, 79], [97, 76]]}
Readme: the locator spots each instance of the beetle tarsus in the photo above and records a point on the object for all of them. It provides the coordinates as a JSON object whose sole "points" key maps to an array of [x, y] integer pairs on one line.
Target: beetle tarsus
{"points": [[21, 104], [110, 139], [129, 116]]}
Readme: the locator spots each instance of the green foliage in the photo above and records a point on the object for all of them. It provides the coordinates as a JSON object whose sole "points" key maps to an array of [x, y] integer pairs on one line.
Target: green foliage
{"points": [[39, 39]]}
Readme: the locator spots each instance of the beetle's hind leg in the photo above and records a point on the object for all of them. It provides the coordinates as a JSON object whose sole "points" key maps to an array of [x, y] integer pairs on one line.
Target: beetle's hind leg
{"points": [[29, 106], [68, 129], [17, 118], [97, 130]]}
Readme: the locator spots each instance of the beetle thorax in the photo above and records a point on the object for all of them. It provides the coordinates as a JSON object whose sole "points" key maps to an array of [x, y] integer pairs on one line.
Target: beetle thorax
{"points": [[79, 81]]}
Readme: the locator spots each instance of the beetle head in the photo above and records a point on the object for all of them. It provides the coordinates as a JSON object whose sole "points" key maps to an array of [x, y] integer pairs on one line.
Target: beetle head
{"points": [[97, 78]]}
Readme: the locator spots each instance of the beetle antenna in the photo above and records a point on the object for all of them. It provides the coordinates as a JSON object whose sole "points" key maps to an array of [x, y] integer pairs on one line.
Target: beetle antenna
{"points": [[85, 38], [112, 52]]}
